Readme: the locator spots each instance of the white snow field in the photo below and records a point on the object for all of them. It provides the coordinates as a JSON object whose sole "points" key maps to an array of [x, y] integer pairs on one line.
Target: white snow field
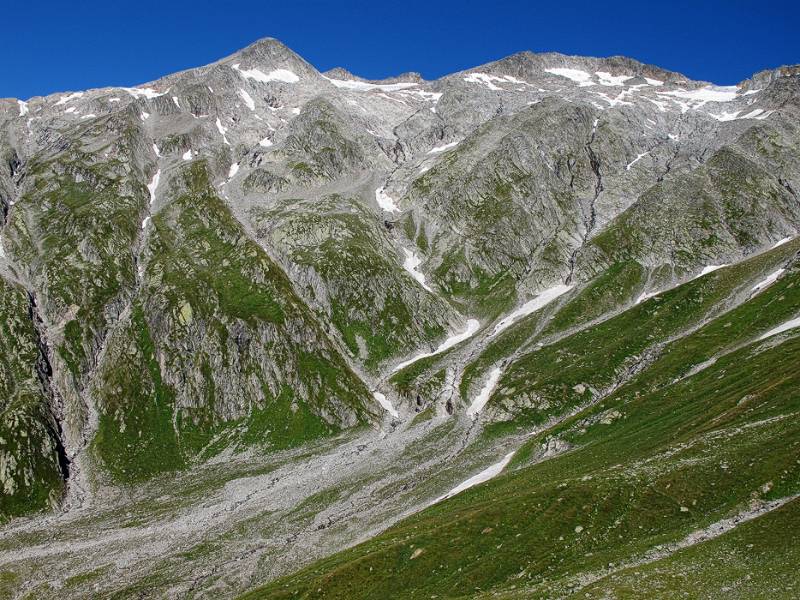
{"points": [[485, 475], [486, 391], [283, 75], [472, 326], [794, 323], [385, 201], [411, 263], [533, 305], [384, 402]]}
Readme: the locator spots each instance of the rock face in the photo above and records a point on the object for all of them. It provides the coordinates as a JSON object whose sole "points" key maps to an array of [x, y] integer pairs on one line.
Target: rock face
{"points": [[32, 464], [236, 255]]}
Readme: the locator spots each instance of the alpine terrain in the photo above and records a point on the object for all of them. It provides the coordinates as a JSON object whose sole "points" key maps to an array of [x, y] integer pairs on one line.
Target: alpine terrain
{"points": [[531, 330]]}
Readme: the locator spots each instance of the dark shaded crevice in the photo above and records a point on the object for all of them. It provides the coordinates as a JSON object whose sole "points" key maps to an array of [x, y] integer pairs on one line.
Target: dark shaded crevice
{"points": [[590, 222], [787, 186], [667, 168], [570, 164], [44, 372], [598, 186]]}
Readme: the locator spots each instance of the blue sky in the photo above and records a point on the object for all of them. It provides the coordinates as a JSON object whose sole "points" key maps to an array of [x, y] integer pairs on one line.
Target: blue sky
{"points": [[58, 46]]}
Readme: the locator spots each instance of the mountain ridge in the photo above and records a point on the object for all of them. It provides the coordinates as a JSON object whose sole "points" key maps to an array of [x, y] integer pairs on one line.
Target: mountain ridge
{"points": [[271, 46]]}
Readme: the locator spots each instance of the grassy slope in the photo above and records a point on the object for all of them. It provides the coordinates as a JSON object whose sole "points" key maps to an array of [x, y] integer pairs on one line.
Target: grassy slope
{"points": [[605, 293], [611, 291], [253, 367], [576, 369], [659, 458], [752, 561]]}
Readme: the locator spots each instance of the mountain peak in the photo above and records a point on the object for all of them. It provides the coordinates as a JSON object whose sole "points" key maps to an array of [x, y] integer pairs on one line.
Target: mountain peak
{"points": [[272, 53], [340, 73]]}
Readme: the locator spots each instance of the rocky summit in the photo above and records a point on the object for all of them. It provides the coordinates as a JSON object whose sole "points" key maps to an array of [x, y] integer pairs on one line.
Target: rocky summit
{"points": [[530, 330]]}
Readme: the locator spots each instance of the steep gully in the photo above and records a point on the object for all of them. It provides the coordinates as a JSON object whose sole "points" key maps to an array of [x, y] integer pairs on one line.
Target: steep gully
{"points": [[44, 371], [590, 220]]}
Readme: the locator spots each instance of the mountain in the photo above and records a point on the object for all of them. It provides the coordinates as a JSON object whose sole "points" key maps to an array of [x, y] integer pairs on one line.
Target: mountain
{"points": [[528, 330]]}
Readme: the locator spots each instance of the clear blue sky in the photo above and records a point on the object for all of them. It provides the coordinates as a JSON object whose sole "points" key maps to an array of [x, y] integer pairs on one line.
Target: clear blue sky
{"points": [[51, 46]]}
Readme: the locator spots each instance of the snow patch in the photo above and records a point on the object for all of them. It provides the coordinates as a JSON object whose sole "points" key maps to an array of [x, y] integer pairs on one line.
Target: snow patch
{"points": [[144, 116], [485, 79], [157, 151], [618, 100], [153, 186], [610, 80], [411, 263], [386, 202], [89, 116], [248, 100], [794, 323], [175, 100], [71, 109], [699, 97], [710, 269], [485, 475], [653, 82], [472, 326], [222, 131], [148, 93], [635, 160], [384, 402], [582, 78], [233, 170], [23, 108], [662, 106], [725, 116], [363, 86], [768, 281], [65, 99], [533, 305], [145, 223], [443, 148], [752, 114], [187, 155], [486, 391], [782, 242], [644, 296], [283, 75], [428, 96]]}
